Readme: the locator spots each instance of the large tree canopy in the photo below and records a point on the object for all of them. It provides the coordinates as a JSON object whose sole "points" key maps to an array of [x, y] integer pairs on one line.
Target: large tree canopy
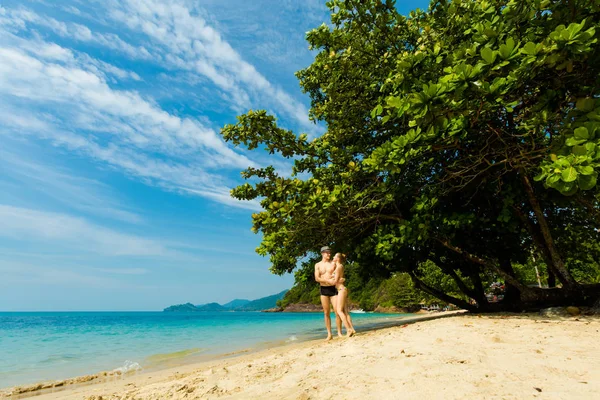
{"points": [[467, 136]]}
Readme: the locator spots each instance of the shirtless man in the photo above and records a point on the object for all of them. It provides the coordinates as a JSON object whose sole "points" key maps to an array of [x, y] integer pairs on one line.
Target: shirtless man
{"points": [[324, 276]]}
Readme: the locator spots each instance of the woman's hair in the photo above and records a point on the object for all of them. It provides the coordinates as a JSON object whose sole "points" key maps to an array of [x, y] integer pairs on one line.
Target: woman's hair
{"points": [[342, 257]]}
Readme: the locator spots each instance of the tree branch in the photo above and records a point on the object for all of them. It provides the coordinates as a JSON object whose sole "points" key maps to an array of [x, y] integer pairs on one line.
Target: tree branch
{"points": [[440, 295], [478, 260]]}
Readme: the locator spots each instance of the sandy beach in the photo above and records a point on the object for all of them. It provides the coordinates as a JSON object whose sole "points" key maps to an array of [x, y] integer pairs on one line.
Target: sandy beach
{"points": [[464, 356]]}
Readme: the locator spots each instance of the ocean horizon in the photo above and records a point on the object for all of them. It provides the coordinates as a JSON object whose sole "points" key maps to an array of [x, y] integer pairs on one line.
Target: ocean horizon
{"points": [[43, 346]]}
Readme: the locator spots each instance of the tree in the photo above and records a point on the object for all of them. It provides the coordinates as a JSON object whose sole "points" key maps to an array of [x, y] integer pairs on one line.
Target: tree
{"points": [[466, 136]]}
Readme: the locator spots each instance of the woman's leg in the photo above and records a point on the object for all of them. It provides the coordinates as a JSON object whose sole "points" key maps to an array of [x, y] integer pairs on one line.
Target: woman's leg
{"points": [[348, 315], [341, 310]]}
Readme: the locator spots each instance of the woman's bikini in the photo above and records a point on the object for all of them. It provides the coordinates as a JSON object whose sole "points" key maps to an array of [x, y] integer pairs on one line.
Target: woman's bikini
{"points": [[339, 286]]}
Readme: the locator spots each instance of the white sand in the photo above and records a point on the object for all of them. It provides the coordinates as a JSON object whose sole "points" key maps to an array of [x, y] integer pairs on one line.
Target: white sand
{"points": [[462, 357]]}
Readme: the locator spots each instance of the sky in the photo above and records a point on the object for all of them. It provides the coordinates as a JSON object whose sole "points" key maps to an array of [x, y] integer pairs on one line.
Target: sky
{"points": [[114, 180]]}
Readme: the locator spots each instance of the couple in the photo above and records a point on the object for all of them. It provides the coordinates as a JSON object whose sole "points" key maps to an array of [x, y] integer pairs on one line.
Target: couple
{"points": [[330, 276]]}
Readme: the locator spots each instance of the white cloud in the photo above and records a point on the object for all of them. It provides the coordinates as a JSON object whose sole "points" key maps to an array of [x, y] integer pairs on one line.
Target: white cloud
{"points": [[88, 94], [19, 19], [192, 44], [79, 193], [70, 102], [64, 230], [137, 129]]}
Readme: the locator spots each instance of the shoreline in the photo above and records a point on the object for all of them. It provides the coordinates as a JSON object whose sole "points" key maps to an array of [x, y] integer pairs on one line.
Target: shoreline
{"points": [[490, 356], [115, 376]]}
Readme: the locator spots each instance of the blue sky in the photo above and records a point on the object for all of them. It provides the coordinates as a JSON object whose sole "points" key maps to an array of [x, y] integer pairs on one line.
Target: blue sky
{"points": [[114, 181]]}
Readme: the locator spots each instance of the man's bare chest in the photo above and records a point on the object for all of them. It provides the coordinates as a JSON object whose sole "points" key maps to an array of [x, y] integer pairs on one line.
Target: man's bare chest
{"points": [[326, 269]]}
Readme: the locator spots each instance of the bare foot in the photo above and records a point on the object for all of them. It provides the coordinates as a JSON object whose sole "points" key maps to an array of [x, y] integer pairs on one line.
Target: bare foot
{"points": [[340, 335], [351, 333], [329, 337]]}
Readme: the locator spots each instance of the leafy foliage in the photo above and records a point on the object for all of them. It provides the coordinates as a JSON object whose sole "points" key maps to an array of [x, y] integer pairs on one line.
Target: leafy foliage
{"points": [[464, 138]]}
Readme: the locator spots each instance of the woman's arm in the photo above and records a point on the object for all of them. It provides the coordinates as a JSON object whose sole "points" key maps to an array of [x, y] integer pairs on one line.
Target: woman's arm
{"points": [[339, 275]]}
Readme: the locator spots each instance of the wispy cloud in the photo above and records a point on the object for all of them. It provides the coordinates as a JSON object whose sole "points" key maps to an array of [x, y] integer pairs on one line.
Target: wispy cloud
{"points": [[75, 233], [188, 42], [76, 192], [70, 103], [17, 20], [179, 39]]}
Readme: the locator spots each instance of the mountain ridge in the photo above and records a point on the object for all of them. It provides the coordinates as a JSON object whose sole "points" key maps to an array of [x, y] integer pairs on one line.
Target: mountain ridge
{"points": [[260, 304]]}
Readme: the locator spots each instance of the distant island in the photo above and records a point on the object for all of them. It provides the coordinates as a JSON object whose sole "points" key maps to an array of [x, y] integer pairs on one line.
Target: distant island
{"points": [[261, 304]]}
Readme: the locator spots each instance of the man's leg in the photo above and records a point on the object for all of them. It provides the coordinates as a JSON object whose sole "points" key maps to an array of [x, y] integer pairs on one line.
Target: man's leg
{"points": [[326, 303], [338, 320]]}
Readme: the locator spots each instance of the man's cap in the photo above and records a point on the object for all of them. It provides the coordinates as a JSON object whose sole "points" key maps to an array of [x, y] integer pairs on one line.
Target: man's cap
{"points": [[325, 249]]}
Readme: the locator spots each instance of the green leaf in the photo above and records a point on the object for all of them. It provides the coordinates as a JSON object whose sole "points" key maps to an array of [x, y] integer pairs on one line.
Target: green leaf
{"points": [[488, 55], [587, 182], [568, 188], [376, 111], [579, 150], [582, 133], [585, 170], [507, 49], [395, 102], [585, 104], [530, 48], [552, 179], [590, 146], [572, 141], [569, 174]]}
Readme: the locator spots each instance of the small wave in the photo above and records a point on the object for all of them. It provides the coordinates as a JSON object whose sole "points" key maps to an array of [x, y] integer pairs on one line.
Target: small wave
{"points": [[128, 367], [158, 358], [59, 359], [292, 338]]}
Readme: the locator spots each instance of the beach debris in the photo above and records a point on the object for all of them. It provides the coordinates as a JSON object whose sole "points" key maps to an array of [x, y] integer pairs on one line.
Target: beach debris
{"points": [[573, 310], [554, 312], [538, 389]]}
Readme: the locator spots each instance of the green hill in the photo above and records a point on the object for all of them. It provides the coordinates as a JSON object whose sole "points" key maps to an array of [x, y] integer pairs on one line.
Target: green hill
{"points": [[263, 303], [187, 307], [211, 307], [233, 304]]}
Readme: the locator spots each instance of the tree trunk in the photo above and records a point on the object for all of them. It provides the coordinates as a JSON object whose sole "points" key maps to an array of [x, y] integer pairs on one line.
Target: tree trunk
{"points": [[478, 286], [562, 272], [537, 238], [512, 295], [551, 279]]}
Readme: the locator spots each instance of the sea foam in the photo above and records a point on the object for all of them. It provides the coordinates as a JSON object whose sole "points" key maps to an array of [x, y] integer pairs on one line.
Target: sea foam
{"points": [[128, 367]]}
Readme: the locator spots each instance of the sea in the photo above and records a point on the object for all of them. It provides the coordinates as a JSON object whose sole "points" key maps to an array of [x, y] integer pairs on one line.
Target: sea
{"points": [[42, 346]]}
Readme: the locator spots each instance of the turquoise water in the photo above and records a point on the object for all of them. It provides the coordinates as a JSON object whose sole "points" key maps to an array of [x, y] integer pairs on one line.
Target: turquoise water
{"points": [[46, 346]]}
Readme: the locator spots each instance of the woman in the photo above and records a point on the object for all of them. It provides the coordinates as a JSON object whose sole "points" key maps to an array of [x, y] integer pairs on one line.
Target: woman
{"points": [[342, 298]]}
